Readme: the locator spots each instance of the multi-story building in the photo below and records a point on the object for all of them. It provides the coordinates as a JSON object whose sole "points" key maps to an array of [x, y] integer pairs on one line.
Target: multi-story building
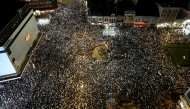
{"points": [[42, 5], [168, 13], [129, 17], [185, 100], [146, 14], [19, 34], [119, 12], [129, 12]]}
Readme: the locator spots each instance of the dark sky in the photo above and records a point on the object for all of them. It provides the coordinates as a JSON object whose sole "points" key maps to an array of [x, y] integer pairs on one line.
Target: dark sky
{"points": [[183, 3], [178, 1]]}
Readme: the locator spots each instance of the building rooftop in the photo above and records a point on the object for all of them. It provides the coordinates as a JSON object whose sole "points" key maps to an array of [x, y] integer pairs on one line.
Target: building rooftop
{"points": [[145, 9], [183, 14], [9, 13]]}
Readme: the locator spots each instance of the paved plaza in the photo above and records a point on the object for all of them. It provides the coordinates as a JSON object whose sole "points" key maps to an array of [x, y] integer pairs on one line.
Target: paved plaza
{"points": [[62, 74]]}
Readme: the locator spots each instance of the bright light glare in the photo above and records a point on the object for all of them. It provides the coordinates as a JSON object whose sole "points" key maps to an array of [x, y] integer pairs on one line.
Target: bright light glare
{"points": [[111, 31], [106, 26], [1, 49], [43, 21], [186, 21], [186, 30], [6, 65]]}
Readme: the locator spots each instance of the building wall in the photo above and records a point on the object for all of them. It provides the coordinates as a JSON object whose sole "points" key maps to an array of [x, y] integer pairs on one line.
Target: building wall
{"points": [[20, 46], [106, 20], [120, 19], [154, 20], [112, 20], [129, 19], [150, 20], [95, 20], [89, 19], [168, 14], [100, 20], [17, 30]]}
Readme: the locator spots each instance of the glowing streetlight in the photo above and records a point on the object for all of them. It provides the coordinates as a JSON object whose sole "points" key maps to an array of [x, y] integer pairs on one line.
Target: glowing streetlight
{"points": [[106, 26]]}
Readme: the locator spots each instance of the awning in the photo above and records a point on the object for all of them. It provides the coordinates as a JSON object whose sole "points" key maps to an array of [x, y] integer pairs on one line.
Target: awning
{"points": [[140, 24]]}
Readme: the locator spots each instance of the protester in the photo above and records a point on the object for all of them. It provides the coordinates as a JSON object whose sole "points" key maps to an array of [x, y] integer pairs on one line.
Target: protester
{"points": [[62, 74]]}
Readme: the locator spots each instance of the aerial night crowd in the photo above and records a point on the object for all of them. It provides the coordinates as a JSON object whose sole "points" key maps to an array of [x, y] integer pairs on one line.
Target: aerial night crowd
{"points": [[63, 75]]}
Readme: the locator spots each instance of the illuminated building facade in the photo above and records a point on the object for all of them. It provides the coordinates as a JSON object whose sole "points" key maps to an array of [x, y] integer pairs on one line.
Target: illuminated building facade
{"points": [[185, 100], [42, 5], [158, 13], [129, 17], [168, 13], [19, 34]]}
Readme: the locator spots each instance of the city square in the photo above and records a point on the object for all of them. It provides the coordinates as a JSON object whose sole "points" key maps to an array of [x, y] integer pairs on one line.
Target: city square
{"points": [[63, 74]]}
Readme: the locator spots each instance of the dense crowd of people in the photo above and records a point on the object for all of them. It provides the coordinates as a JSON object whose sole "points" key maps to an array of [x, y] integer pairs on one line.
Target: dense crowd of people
{"points": [[62, 74]]}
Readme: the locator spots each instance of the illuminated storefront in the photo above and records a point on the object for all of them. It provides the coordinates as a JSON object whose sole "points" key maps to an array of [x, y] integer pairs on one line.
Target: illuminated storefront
{"points": [[140, 24]]}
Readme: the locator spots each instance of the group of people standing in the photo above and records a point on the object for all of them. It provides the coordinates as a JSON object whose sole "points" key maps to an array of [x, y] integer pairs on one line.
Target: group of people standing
{"points": [[66, 76]]}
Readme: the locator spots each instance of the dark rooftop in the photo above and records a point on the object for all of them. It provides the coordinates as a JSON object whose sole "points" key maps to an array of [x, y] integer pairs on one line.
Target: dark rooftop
{"points": [[170, 3], [183, 14], [101, 8], [127, 5], [120, 12], [111, 9], [10, 12], [145, 9], [96, 11], [187, 6], [96, 3]]}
